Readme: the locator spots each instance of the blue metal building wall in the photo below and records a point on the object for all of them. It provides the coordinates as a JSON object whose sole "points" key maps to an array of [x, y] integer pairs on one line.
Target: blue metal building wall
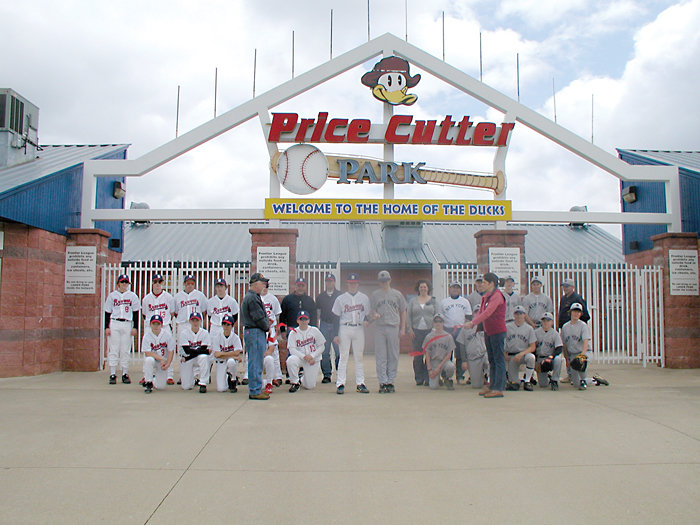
{"points": [[690, 200], [106, 200]]}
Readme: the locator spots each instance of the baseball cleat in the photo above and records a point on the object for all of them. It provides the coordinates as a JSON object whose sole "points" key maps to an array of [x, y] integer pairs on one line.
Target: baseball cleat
{"points": [[142, 382], [112, 379], [390, 388], [179, 381], [582, 385], [326, 380], [554, 385], [382, 389], [294, 387], [528, 386], [244, 381], [149, 388], [268, 388], [450, 384], [277, 382], [260, 396], [340, 390], [362, 389], [512, 386], [125, 379], [601, 381], [202, 389], [170, 381]]}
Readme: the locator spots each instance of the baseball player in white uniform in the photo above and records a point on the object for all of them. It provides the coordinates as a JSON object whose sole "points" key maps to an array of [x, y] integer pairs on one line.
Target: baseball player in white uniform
{"points": [[157, 346], [474, 356], [512, 298], [159, 302], [456, 310], [121, 317], [227, 352], [576, 338], [188, 301], [549, 346], [194, 343], [273, 309], [519, 349], [352, 308], [305, 344], [536, 303], [220, 304]]}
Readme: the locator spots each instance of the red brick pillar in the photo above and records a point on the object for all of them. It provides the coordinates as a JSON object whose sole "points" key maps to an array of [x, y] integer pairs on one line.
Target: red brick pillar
{"points": [[83, 318], [486, 239], [681, 312], [273, 237]]}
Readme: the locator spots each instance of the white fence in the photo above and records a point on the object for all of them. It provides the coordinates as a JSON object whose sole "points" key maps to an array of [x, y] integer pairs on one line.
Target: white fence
{"points": [[625, 303]]}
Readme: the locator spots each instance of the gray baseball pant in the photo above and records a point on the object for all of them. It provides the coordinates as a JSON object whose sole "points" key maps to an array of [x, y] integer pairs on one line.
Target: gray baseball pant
{"points": [[543, 377], [514, 366], [386, 352], [447, 372], [478, 366]]}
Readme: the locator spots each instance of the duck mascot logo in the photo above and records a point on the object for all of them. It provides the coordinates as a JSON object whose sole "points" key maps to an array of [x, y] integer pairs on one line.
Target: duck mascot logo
{"points": [[390, 80]]}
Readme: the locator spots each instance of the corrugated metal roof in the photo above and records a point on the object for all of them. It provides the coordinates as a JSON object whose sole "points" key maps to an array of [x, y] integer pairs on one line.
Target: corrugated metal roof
{"points": [[51, 159], [361, 242], [689, 160]]}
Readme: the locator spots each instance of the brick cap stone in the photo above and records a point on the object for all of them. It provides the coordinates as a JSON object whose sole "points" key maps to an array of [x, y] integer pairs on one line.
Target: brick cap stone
{"points": [[674, 235], [87, 231], [274, 231], [504, 233]]}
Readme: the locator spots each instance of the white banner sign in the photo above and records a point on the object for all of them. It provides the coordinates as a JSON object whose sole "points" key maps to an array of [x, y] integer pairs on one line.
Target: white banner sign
{"points": [[273, 263], [81, 264], [505, 262], [683, 272]]}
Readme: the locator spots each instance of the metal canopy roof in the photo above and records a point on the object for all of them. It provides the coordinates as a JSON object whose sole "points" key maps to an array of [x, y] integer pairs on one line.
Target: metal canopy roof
{"points": [[361, 243], [690, 160], [52, 159]]}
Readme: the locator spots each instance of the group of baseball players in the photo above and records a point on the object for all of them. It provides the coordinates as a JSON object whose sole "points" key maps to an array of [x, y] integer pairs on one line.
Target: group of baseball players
{"points": [[335, 320]]}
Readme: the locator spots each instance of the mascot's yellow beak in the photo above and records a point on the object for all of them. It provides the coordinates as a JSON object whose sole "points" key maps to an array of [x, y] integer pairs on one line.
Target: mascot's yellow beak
{"points": [[393, 97]]}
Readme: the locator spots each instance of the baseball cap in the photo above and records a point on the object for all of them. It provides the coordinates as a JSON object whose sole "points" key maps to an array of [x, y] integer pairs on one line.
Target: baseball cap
{"points": [[300, 280], [479, 278], [538, 279], [455, 283], [548, 315], [220, 281], [258, 277], [518, 310], [353, 278], [195, 315], [330, 277], [227, 319], [303, 314], [123, 278], [157, 277], [576, 306], [568, 282], [189, 277], [438, 318], [384, 276], [509, 278], [156, 319]]}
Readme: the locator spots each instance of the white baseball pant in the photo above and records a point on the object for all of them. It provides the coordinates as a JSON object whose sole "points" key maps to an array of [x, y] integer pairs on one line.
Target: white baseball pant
{"points": [[119, 345], [310, 371], [170, 368], [448, 370], [229, 366], [187, 371], [152, 368], [268, 370], [351, 336]]}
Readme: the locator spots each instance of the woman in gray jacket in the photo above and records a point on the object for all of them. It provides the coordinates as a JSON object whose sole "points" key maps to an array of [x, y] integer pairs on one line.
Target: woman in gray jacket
{"points": [[419, 319]]}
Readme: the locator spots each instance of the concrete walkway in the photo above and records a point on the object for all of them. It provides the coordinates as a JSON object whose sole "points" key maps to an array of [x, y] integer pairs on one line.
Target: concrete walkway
{"points": [[75, 450]]}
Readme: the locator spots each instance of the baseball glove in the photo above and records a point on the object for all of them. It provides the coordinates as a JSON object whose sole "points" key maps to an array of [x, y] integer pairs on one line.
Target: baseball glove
{"points": [[546, 365], [580, 363]]}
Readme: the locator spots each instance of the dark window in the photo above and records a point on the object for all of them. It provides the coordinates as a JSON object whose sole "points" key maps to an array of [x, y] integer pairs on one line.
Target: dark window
{"points": [[16, 115], [3, 99]]}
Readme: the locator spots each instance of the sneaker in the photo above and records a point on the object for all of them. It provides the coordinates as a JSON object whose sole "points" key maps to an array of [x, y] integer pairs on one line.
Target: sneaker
{"points": [[149, 387], [325, 380], [233, 386], [340, 390], [143, 381], [582, 385], [554, 385], [533, 380], [268, 388], [287, 381], [112, 379], [512, 386], [362, 389], [126, 380], [244, 381], [469, 381], [202, 389], [277, 382], [170, 381], [390, 388], [528, 386], [450, 384], [261, 396], [601, 381], [294, 387], [179, 381], [382, 389]]}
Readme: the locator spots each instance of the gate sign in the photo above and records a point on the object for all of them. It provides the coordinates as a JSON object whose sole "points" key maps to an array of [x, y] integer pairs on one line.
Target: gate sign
{"points": [[683, 272], [273, 263], [505, 262], [81, 264]]}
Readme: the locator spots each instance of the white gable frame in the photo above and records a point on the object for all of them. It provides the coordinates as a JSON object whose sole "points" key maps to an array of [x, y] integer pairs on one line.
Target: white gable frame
{"points": [[385, 45]]}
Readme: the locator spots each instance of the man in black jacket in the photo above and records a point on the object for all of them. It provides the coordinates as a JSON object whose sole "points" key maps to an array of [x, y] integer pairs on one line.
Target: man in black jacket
{"points": [[570, 297], [294, 303]]}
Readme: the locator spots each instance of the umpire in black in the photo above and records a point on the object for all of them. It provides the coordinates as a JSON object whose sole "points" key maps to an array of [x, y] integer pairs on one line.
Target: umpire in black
{"points": [[255, 325], [570, 297]]}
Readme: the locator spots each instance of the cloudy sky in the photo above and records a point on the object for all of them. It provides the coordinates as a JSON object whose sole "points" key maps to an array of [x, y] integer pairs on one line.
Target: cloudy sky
{"points": [[108, 72]]}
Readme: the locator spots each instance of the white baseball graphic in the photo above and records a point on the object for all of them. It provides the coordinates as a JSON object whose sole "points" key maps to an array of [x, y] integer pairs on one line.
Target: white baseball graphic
{"points": [[302, 169]]}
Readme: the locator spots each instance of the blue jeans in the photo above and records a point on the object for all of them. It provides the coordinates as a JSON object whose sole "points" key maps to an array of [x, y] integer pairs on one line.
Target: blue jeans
{"points": [[497, 360], [329, 332], [255, 342]]}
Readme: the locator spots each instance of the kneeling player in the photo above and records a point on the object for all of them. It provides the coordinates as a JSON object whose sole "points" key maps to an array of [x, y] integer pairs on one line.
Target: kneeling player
{"points": [[194, 345], [438, 346], [519, 349], [576, 338], [158, 346], [305, 344], [474, 357], [548, 350], [227, 352]]}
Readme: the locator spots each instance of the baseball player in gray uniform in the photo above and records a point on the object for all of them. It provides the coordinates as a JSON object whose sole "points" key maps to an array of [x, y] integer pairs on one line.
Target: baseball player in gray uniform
{"points": [[121, 317], [195, 346], [576, 338], [519, 349], [474, 357], [439, 346], [157, 346], [549, 346], [536, 303], [512, 298], [389, 312], [159, 302], [352, 308], [474, 298]]}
